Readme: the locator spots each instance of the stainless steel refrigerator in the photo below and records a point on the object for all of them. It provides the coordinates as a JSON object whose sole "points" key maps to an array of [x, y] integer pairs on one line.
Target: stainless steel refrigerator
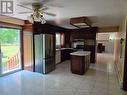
{"points": [[44, 58]]}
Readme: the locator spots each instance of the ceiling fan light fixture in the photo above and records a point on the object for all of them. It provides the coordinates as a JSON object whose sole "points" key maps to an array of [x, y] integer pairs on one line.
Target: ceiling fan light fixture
{"points": [[33, 18], [37, 10], [81, 22], [43, 21]]}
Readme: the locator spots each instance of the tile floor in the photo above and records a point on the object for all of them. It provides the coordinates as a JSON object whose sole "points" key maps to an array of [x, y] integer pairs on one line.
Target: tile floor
{"points": [[100, 79], [107, 58]]}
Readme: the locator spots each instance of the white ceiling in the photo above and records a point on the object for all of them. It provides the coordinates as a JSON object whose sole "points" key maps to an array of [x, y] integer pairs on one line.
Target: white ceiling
{"points": [[101, 12]]}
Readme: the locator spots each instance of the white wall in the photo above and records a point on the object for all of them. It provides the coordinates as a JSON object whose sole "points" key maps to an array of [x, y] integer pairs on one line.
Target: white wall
{"points": [[119, 62], [107, 40]]}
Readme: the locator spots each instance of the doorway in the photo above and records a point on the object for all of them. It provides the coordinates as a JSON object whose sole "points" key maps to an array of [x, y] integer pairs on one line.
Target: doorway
{"points": [[105, 48], [10, 50]]}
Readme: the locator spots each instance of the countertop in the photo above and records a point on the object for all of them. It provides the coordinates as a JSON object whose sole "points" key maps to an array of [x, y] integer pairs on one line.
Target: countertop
{"points": [[81, 53], [63, 49]]}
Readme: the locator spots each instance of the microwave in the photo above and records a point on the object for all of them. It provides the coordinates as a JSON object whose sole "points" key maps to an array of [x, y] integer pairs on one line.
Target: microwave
{"points": [[78, 45]]}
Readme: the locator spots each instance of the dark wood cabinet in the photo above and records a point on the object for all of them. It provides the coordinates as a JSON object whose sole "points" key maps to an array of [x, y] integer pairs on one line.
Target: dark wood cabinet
{"points": [[79, 64], [89, 37], [65, 54], [69, 36], [91, 48]]}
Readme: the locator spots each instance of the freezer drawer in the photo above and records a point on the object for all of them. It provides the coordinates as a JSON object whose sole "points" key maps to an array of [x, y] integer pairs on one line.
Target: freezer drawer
{"points": [[48, 65], [39, 67]]}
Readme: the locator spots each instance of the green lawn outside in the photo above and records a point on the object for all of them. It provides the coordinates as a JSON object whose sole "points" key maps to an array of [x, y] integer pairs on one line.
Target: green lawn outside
{"points": [[9, 45], [8, 51]]}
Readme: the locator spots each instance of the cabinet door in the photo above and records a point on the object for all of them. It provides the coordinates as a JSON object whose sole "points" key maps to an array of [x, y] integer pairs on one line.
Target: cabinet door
{"points": [[77, 65], [62, 55], [58, 57]]}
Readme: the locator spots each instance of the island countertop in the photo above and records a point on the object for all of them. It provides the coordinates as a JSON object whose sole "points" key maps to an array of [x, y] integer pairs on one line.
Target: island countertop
{"points": [[63, 49], [81, 53]]}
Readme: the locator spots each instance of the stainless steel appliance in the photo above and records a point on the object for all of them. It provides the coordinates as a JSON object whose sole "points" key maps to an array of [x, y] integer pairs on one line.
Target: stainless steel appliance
{"points": [[44, 53], [78, 44]]}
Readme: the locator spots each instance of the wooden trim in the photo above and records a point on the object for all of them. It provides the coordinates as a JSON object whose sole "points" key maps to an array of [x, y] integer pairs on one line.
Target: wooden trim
{"points": [[85, 20], [119, 75], [28, 28], [77, 20], [125, 66], [74, 25], [22, 50], [108, 29], [11, 20], [33, 54]]}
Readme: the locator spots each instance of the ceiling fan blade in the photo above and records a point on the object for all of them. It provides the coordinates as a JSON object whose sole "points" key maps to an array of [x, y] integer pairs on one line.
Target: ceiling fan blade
{"points": [[51, 14], [30, 2], [45, 1], [24, 12], [55, 5], [44, 8], [24, 7]]}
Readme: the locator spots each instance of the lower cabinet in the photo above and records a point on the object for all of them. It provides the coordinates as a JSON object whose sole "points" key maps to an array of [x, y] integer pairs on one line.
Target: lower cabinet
{"points": [[65, 54], [58, 56], [80, 64]]}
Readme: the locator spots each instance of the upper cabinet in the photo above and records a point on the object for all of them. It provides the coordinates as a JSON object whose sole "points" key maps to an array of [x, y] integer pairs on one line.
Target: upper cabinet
{"points": [[90, 42], [86, 33], [46, 28]]}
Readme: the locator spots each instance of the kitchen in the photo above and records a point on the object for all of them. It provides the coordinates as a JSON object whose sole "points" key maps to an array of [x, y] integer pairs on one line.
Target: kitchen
{"points": [[69, 42], [56, 52], [60, 44]]}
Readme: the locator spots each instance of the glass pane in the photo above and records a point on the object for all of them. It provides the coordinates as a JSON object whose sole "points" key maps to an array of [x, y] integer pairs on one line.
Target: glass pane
{"points": [[10, 50], [58, 39]]}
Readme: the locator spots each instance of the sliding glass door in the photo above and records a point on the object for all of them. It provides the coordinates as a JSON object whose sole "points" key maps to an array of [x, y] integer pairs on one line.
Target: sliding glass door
{"points": [[10, 54]]}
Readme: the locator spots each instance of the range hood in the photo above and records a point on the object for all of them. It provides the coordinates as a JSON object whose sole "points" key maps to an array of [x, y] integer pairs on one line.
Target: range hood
{"points": [[80, 22]]}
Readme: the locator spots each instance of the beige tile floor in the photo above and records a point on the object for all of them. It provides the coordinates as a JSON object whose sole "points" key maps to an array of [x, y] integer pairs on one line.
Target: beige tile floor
{"points": [[100, 79], [105, 58]]}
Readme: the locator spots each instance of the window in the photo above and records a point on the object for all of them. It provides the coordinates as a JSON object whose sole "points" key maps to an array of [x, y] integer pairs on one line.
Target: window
{"points": [[59, 39], [10, 54]]}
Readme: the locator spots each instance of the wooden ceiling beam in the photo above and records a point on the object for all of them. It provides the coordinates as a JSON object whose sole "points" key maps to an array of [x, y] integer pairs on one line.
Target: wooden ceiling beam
{"points": [[108, 29], [11, 20]]}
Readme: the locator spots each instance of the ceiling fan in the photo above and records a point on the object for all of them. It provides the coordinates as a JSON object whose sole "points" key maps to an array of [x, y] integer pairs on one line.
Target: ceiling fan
{"points": [[38, 10]]}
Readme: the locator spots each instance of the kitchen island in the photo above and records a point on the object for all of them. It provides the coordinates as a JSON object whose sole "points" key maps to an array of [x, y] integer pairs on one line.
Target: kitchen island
{"points": [[80, 61]]}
